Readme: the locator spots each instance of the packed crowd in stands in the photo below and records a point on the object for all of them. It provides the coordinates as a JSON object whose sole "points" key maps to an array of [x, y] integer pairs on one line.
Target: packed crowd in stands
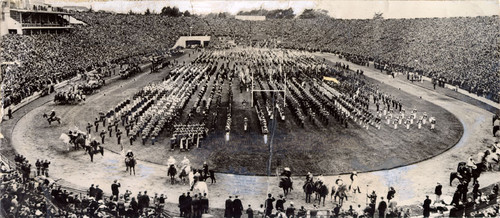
{"points": [[458, 51]]}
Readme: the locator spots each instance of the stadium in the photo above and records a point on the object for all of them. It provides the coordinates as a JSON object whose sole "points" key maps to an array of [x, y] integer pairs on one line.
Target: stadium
{"points": [[266, 113]]}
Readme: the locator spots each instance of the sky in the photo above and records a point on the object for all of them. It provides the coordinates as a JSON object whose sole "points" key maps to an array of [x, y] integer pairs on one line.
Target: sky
{"points": [[338, 9]]}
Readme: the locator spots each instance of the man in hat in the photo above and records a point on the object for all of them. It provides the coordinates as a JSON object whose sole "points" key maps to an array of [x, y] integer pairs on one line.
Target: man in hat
{"points": [[269, 204], [114, 188], [309, 177], [382, 206], [118, 136], [103, 135], [89, 128], [228, 211], [427, 206], [96, 124], [237, 207]]}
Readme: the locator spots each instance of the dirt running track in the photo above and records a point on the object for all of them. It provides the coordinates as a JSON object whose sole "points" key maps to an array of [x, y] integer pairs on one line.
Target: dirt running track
{"points": [[412, 182]]}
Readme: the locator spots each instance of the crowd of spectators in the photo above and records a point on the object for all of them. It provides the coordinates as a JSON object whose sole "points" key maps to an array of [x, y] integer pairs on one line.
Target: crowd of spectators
{"points": [[460, 51], [28, 194]]}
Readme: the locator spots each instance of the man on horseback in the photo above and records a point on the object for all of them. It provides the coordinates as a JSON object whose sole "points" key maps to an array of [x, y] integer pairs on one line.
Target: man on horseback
{"points": [[286, 183], [52, 114], [129, 154], [52, 117], [130, 161], [309, 177], [471, 163]]}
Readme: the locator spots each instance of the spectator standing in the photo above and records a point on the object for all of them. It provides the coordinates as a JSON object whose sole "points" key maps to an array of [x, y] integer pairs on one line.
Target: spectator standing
{"points": [[290, 211], [280, 203], [237, 207], [228, 212], [438, 192], [427, 206], [382, 206], [249, 211], [115, 188], [269, 204]]}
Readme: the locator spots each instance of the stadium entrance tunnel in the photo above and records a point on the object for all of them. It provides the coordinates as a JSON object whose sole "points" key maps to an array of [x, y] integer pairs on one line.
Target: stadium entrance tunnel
{"points": [[189, 41]]}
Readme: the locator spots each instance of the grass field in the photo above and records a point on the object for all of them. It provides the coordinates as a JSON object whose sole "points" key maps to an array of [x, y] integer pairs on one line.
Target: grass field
{"points": [[329, 149]]}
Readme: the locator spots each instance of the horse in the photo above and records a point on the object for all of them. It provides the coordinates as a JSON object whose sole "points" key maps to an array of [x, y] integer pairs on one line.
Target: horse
{"points": [[308, 189], [466, 174], [52, 119], [200, 187], [130, 163], [286, 184], [172, 171], [341, 192], [79, 141], [184, 173], [321, 191], [491, 159], [191, 178]]}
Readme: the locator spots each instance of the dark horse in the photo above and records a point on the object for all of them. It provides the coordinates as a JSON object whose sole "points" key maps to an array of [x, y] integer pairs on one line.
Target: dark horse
{"points": [[321, 191], [79, 141], [130, 163], [308, 189], [172, 171], [52, 119], [286, 184], [466, 174]]}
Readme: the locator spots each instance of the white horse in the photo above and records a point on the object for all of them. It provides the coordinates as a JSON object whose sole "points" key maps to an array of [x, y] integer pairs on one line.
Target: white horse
{"points": [[492, 159], [191, 177], [200, 187]]}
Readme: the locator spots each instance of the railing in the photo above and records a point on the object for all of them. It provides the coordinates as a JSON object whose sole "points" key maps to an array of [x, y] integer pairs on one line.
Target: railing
{"points": [[44, 25]]}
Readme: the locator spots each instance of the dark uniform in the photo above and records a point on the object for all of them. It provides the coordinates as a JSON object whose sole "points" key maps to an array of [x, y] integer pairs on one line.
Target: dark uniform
{"points": [[96, 124], [119, 136], [103, 135]]}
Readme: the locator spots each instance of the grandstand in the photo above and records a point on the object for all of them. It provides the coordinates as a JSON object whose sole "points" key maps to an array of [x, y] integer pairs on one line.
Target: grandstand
{"points": [[33, 17]]}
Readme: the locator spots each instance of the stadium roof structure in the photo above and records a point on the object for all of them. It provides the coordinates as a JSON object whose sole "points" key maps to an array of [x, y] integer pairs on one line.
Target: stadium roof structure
{"points": [[40, 11]]}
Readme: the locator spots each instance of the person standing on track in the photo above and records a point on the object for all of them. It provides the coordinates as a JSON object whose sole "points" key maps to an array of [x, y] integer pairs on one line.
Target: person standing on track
{"points": [[103, 135], [118, 136], [96, 124], [89, 128]]}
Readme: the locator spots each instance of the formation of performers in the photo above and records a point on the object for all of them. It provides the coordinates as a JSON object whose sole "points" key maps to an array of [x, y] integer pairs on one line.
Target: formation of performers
{"points": [[199, 94]]}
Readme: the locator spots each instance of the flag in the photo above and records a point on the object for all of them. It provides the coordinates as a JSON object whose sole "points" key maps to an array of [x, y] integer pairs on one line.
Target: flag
{"points": [[331, 79]]}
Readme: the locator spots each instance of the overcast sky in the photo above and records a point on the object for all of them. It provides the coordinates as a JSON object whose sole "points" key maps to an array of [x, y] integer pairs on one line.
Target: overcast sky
{"points": [[337, 9]]}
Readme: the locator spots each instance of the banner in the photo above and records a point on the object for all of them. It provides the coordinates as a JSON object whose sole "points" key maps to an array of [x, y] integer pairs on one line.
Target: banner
{"points": [[331, 79]]}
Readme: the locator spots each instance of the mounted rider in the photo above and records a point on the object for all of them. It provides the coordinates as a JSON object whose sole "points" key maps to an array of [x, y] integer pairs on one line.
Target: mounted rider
{"points": [[286, 172], [171, 161], [52, 114], [185, 162], [129, 154], [309, 177], [471, 163]]}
